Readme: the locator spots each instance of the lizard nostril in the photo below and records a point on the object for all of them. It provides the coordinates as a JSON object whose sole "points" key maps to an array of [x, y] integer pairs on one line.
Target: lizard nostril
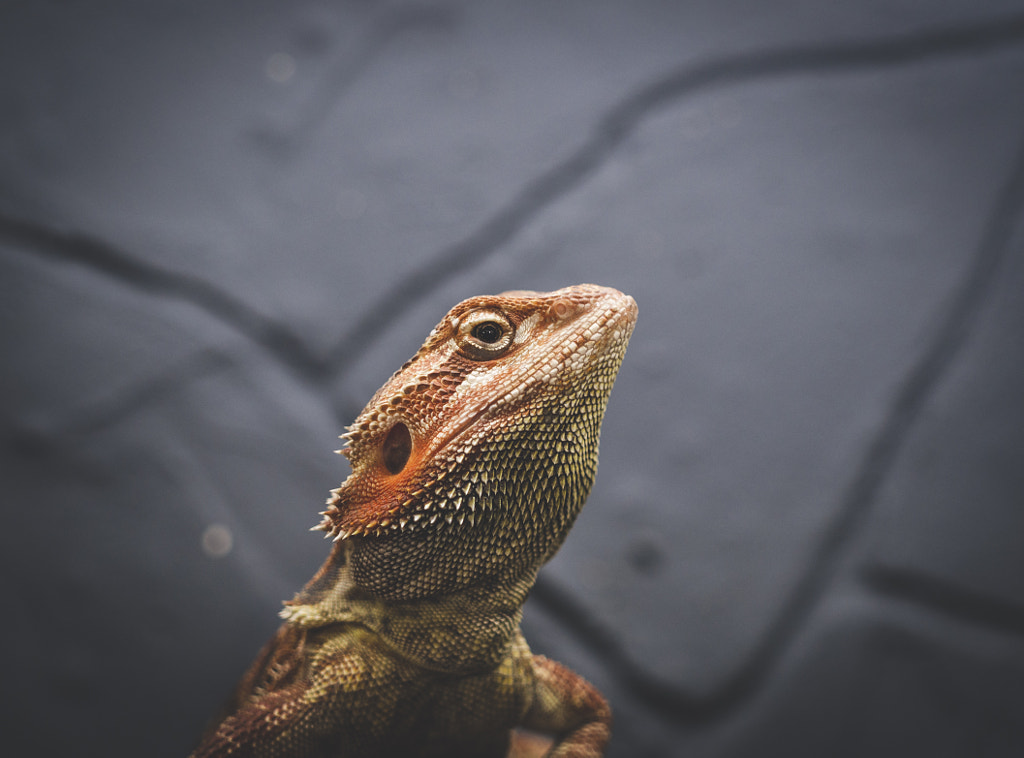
{"points": [[562, 309], [397, 447]]}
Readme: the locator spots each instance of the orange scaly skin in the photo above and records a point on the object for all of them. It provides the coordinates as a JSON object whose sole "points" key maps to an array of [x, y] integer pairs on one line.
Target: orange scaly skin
{"points": [[469, 467]]}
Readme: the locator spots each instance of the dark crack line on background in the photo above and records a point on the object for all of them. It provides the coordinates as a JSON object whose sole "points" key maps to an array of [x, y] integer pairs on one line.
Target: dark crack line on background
{"points": [[953, 327], [946, 599], [104, 258], [624, 119]]}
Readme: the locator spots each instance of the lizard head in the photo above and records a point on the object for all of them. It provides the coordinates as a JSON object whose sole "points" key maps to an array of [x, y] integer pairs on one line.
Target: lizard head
{"points": [[490, 432]]}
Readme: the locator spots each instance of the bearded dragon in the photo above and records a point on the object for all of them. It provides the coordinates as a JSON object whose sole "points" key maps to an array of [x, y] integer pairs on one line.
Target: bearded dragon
{"points": [[469, 466]]}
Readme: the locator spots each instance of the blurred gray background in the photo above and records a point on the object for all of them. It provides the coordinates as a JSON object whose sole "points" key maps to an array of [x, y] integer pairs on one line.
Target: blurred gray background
{"points": [[224, 224]]}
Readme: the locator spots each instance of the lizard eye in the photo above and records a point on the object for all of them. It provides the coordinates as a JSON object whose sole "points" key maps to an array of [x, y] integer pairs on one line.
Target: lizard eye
{"points": [[484, 335]]}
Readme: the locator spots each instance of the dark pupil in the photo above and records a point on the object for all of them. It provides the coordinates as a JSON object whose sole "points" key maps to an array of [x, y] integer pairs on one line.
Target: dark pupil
{"points": [[488, 332]]}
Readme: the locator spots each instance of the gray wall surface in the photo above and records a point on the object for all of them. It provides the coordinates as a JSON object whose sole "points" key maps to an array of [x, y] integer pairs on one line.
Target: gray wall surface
{"points": [[224, 224]]}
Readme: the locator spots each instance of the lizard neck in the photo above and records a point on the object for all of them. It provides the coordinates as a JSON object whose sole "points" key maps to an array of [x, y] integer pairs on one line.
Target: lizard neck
{"points": [[465, 630]]}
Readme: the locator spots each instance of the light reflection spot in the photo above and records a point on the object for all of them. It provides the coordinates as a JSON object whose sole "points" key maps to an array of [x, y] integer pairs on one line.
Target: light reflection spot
{"points": [[217, 541], [280, 67]]}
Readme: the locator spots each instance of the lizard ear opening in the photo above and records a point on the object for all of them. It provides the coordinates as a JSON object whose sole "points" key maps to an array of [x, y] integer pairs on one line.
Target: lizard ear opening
{"points": [[396, 448]]}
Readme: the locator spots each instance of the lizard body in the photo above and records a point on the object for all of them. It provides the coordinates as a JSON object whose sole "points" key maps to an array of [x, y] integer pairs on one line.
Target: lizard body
{"points": [[469, 466]]}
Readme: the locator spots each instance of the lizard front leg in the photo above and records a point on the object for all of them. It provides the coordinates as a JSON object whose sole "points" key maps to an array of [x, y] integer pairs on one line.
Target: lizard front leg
{"points": [[272, 726], [569, 707]]}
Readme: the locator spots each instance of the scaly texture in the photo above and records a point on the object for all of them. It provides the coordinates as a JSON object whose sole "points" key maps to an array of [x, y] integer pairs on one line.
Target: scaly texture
{"points": [[469, 467]]}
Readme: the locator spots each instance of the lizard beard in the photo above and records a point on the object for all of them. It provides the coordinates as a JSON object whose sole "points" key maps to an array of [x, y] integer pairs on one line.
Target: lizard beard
{"points": [[531, 504]]}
